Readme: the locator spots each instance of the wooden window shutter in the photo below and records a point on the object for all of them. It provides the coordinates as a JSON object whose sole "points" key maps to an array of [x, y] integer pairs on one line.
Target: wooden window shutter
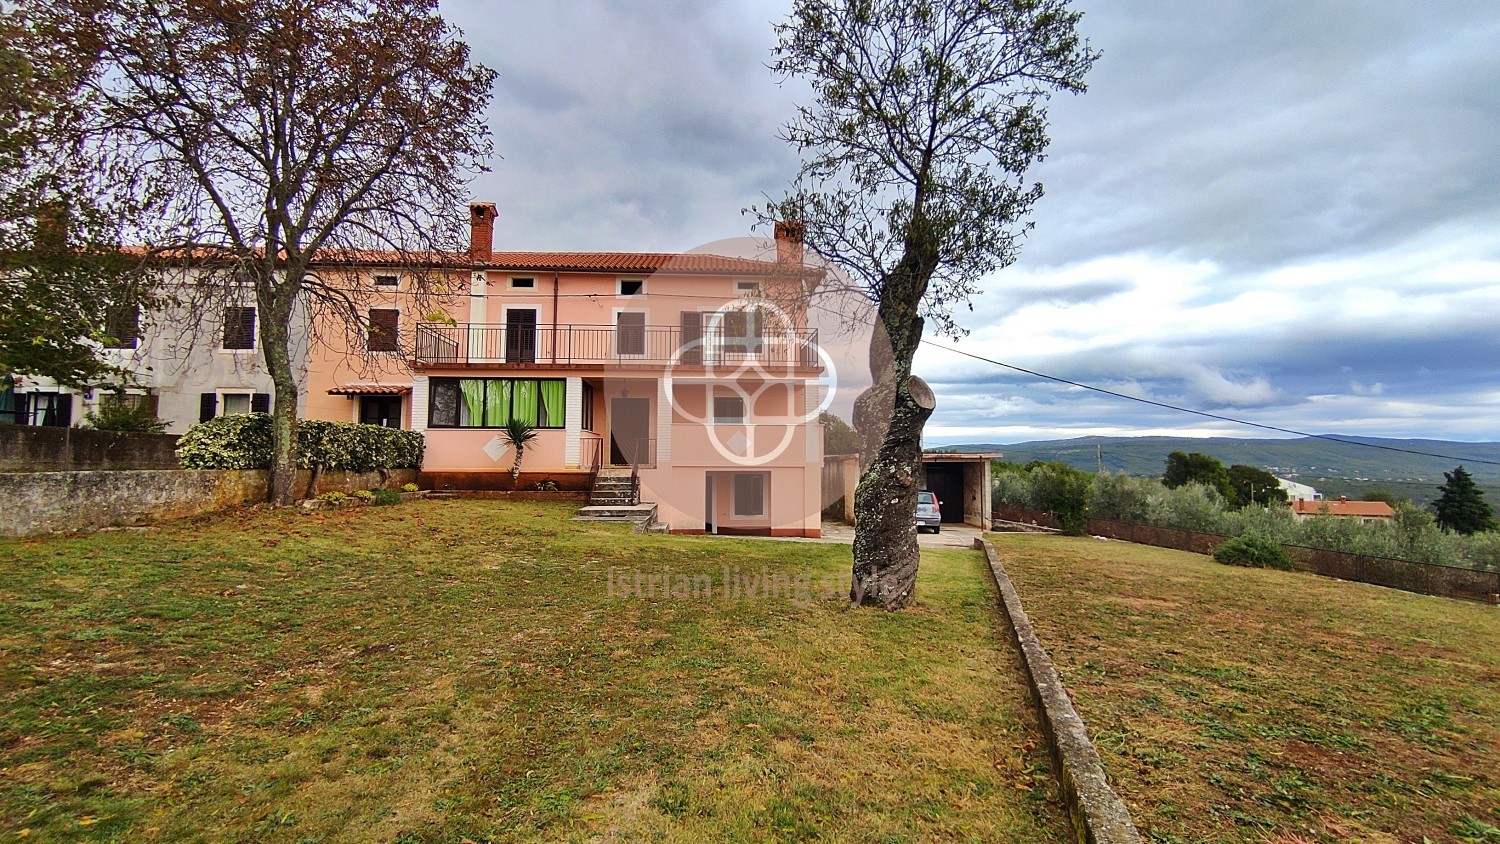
{"points": [[383, 326], [691, 338], [239, 328], [260, 403], [208, 406]]}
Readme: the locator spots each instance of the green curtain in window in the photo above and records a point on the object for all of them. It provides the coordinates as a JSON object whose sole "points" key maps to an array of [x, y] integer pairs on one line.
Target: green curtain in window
{"points": [[526, 402], [497, 405], [553, 393], [473, 390]]}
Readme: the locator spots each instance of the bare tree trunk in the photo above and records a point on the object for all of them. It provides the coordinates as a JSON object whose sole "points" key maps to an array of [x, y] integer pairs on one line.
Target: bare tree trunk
{"points": [[515, 470], [898, 405], [275, 329], [885, 505]]}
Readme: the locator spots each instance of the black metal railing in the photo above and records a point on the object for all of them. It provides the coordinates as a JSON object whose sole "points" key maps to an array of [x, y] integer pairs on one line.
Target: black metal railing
{"points": [[439, 344]]}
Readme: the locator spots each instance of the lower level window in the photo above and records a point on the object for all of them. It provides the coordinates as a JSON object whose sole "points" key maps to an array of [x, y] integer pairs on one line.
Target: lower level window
{"points": [[493, 402], [380, 410], [235, 403], [51, 410], [749, 494]]}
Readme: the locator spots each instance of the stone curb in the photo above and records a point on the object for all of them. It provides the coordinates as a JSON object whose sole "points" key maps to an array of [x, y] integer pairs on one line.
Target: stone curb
{"points": [[1099, 815]]}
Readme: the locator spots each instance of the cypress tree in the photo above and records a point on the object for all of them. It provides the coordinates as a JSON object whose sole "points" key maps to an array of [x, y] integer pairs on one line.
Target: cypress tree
{"points": [[1461, 506]]}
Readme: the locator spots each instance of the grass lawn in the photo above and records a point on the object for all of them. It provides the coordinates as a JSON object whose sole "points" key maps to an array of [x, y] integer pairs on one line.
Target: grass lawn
{"points": [[469, 671], [1247, 705]]}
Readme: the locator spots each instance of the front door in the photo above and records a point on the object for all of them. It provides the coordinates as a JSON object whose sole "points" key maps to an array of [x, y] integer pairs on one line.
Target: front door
{"points": [[520, 335], [629, 428]]}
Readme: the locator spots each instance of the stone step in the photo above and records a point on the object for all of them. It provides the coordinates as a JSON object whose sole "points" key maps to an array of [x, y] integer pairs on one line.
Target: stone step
{"points": [[643, 513], [613, 501]]}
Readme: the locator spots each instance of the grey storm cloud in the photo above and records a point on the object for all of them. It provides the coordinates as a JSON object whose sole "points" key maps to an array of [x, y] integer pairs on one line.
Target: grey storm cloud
{"points": [[1278, 209]]}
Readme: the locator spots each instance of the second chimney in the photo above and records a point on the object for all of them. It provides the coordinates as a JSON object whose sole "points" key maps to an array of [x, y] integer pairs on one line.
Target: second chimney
{"points": [[789, 242], [482, 230]]}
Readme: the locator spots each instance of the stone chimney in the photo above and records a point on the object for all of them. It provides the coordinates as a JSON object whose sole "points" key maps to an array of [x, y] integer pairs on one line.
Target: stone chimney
{"points": [[789, 242], [52, 227], [482, 230]]}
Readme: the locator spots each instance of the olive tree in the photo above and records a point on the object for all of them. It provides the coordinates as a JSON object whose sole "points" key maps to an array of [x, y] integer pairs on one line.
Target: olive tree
{"points": [[925, 117], [285, 138]]}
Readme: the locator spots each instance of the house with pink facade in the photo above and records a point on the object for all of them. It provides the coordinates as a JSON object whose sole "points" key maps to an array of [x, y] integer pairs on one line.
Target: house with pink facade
{"points": [[686, 382]]}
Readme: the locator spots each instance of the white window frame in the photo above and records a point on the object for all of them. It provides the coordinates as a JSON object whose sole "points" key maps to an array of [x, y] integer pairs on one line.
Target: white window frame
{"points": [[249, 395], [620, 287], [536, 326], [255, 332], [614, 346], [376, 276], [734, 495], [511, 282], [747, 288]]}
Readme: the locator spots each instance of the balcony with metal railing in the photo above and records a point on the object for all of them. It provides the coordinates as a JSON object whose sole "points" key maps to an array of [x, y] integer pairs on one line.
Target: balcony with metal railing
{"points": [[488, 344]]}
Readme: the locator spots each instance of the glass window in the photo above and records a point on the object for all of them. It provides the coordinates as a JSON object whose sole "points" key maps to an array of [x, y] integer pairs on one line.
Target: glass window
{"points": [[632, 287], [749, 494], [492, 402], [729, 410], [386, 280], [380, 410], [236, 403], [588, 407]]}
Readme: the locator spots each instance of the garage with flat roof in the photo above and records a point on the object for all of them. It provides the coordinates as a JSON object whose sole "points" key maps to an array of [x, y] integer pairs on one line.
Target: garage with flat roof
{"points": [[962, 484]]}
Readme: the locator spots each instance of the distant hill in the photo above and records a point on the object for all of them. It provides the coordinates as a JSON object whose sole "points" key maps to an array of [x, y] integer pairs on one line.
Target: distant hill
{"points": [[1333, 468]]}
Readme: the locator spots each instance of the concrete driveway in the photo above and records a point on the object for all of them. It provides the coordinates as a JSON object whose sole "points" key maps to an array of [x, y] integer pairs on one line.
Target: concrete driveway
{"points": [[953, 536]]}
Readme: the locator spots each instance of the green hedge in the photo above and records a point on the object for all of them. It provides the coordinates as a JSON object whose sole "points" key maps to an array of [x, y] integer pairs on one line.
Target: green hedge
{"points": [[243, 441]]}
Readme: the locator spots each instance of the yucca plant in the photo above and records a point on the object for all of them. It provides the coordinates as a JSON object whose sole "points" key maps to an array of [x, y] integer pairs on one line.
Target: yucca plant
{"points": [[518, 434]]}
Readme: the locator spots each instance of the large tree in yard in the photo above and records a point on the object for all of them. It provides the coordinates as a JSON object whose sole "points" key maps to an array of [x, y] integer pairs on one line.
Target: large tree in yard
{"points": [[1460, 506], [285, 137], [924, 120]]}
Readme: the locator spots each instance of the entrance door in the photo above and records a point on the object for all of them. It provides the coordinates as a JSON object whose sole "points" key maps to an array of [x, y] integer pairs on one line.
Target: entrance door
{"points": [[946, 481], [629, 428], [520, 335], [708, 503]]}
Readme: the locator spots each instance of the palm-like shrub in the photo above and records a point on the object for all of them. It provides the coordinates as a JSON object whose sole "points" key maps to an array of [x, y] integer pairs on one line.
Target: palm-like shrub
{"points": [[518, 434]]}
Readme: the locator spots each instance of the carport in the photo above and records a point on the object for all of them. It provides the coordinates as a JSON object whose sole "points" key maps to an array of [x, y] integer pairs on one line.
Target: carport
{"points": [[962, 483]]}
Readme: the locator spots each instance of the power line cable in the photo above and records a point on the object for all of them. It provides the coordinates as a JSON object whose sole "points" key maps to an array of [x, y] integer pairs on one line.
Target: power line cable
{"points": [[1206, 414]]}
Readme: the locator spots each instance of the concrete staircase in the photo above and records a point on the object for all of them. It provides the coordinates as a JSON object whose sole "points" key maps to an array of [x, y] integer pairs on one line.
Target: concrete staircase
{"points": [[613, 499], [613, 488]]}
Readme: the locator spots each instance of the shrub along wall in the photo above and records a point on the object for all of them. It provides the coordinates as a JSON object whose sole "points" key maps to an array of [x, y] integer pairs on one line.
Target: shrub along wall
{"points": [[243, 441], [1407, 575]]}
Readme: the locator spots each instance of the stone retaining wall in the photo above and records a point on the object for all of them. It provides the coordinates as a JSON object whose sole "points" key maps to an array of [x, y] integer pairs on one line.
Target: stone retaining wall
{"points": [[38, 503], [1098, 814], [26, 448]]}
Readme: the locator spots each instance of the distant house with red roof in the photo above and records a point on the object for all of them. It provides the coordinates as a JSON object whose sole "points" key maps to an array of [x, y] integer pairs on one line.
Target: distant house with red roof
{"points": [[1343, 508]]}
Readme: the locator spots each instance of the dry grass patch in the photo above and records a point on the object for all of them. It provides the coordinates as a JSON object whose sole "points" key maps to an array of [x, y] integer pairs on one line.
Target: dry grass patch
{"points": [[1247, 705], [450, 671]]}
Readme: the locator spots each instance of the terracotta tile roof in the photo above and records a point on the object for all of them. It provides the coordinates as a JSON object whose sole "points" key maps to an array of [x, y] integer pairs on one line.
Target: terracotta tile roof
{"points": [[370, 390], [602, 262], [631, 262], [1343, 507]]}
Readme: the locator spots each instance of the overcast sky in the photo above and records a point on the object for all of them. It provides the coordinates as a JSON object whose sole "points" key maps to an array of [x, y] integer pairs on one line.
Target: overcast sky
{"points": [[1287, 212]]}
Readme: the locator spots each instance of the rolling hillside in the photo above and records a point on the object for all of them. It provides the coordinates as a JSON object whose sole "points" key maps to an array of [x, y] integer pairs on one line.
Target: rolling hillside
{"points": [[1333, 468]]}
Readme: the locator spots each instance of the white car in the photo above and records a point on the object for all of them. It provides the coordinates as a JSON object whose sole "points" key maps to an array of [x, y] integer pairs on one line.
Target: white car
{"points": [[929, 512]]}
